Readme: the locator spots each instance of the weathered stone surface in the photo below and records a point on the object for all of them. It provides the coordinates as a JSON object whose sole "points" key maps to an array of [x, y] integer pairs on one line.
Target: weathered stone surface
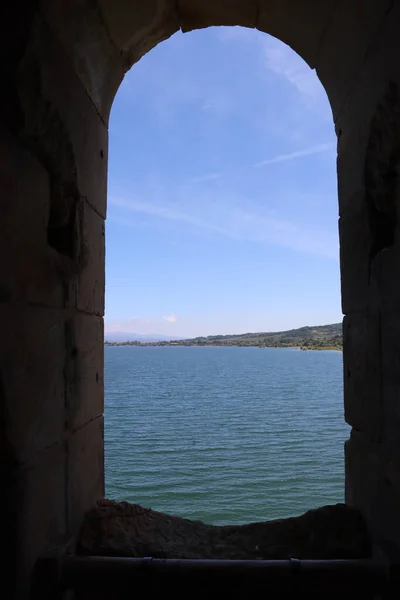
{"points": [[363, 393], [90, 281], [361, 119], [62, 63], [362, 470], [122, 529], [355, 252], [304, 29], [356, 24], [85, 470], [369, 255], [32, 356], [372, 484], [84, 369], [350, 165], [388, 285], [30, 273], [96, 59], [367, 151], [61, 122], [138, 27], [195, 14], [40, 503], [390, 343]]}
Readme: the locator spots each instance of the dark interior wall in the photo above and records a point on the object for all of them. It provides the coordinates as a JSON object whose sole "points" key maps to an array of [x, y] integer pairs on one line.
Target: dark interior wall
{"points": [[53, 170], [368, 127], [61, 66]]}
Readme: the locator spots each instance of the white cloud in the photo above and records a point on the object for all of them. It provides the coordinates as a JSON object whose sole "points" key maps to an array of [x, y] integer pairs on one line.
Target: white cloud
{"points": [[171, 319], [283, 61], [231, 218], [308, 151], [167, 212], [166, 87], [204, 206], [297, 154]]}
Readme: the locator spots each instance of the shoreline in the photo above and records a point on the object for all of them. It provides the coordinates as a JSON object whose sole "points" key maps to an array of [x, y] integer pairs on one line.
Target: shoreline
{"points": [[318, 337], [175, 345]]}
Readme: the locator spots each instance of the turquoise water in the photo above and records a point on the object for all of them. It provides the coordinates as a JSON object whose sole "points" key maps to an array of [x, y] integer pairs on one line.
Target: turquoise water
{"points": [[225, 435]]}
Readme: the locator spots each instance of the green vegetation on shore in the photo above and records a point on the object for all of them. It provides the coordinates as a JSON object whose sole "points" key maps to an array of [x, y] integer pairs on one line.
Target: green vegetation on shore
{"points": [[321, 337]]}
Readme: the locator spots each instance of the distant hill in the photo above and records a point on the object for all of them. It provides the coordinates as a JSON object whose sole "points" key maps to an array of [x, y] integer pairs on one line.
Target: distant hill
{"points": [[318, 337], [118, 336]]}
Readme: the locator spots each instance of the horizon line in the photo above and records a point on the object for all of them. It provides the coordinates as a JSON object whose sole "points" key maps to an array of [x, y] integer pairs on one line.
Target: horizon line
{"points": [[178, 338]]}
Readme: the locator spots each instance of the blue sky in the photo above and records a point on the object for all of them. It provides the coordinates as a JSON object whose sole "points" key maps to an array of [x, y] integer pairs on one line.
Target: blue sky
{"points": [[222, 196]]}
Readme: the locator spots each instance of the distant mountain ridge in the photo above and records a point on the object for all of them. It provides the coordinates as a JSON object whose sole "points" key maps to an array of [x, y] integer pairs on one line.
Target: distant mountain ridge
{"points": [[120, 336], [318, 337]]}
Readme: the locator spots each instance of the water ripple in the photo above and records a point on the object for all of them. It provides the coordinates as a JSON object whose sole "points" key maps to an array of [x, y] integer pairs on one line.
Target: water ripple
{"points": [[226, 435]]}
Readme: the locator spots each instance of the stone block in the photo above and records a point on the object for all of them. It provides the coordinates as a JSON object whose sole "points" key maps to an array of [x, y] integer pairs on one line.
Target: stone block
{"points": [[370, 487], [362, 470], [355, 252], [369, 228], [137, 27], [85, 369], [112, 528], [355, 24], [96, 59], [40, 509], [352, 144], [390, 342], [91, 277], [85, 470], [28, 270], [196, 14], [362, 374], [62, 122], [387, 282], [364, 123], [32, 358], [303, 30], [366, 148]]}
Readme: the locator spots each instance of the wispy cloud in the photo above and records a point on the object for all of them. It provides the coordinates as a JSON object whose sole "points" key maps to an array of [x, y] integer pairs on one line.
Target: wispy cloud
{"points": [[279, 158], [229, 217], [218, 207], [170, 213], [281, 60], [167, 88], [297, 154]]}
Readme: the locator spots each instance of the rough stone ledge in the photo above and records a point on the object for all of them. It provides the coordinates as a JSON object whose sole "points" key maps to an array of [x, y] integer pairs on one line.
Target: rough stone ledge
{"points": [[123, 529]]}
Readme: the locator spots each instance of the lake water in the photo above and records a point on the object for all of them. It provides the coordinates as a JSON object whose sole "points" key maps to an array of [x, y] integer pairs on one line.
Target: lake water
{"points": [[225, 435]]}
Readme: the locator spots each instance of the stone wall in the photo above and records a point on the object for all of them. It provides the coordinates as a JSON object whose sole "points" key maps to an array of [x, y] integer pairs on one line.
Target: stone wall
{"points": [[53, 174], [62, 62], [368, 127]]}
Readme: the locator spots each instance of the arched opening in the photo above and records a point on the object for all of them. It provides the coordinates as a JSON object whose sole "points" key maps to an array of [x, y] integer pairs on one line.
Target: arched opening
{"points": [[227, 220], [62, 65]]}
